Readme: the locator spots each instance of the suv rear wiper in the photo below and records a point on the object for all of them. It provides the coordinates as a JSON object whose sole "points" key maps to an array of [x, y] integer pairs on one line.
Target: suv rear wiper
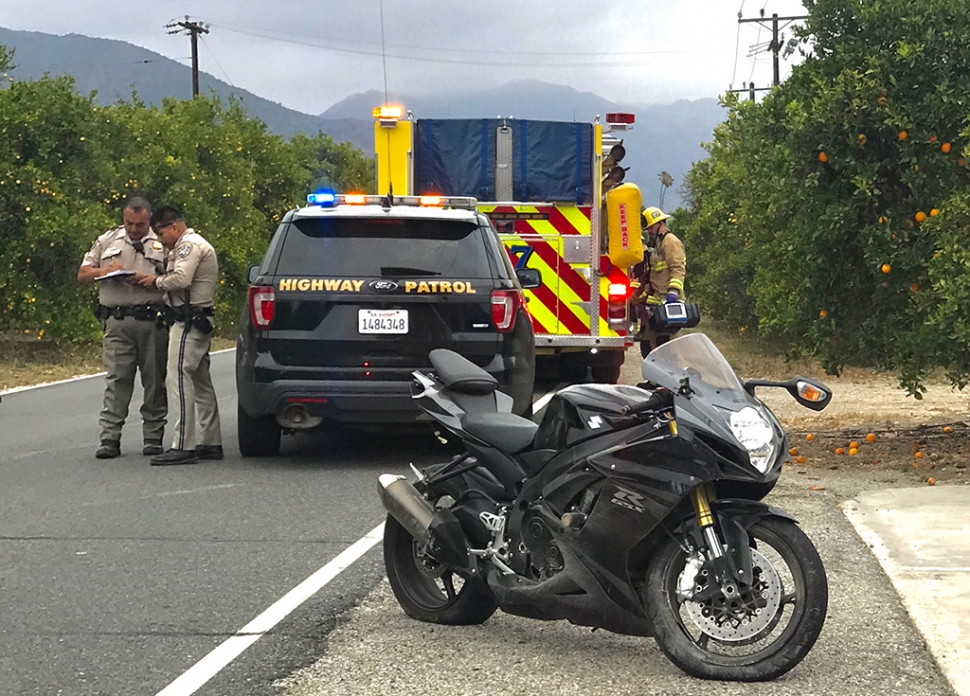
{"points": [[404, 270]]}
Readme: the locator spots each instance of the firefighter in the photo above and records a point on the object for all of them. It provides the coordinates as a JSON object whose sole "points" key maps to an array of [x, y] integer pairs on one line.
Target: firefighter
{"points": [[661, 275]]}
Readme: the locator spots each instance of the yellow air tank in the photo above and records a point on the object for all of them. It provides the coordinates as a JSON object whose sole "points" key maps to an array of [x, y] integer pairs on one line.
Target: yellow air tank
{"points": [[623, 225]]}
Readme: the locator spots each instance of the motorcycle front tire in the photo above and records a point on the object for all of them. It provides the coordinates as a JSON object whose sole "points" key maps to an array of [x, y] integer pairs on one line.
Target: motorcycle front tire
{"points": [[429, 593], [784, 644]]}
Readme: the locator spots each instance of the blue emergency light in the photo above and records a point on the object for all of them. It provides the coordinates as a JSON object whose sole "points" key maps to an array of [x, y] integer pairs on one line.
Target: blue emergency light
{"points": [[323, 198]]}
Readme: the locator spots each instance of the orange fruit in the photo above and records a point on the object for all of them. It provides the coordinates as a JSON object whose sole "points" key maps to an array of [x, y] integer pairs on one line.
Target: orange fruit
{"points": [[839, 450], [945, 147], [903, 135], [893, 238], [822, 157], [853, 451], [793, 451], [914, 287], [932, 138], [853, 445], [811, 437], [920, 216], [916, 167], [961, 162], [823, 313], [948, 429], [931, 481], [862, 138], [886, 268], [871, 437], [934, 212], [883, 219], [800, 460], [918, 455]]}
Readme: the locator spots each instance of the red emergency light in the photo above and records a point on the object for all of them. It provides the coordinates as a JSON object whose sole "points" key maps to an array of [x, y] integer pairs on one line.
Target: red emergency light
{"points": [[620, 118]]}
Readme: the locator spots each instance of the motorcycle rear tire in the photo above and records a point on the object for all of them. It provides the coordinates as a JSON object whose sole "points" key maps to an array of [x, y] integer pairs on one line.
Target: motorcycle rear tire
{"points": [[420, 595], [693, 656]]}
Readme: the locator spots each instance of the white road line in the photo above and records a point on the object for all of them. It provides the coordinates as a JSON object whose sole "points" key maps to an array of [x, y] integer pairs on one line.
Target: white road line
{"points": [[14, 390], [542, 401], [210, 665], [213, 663]]}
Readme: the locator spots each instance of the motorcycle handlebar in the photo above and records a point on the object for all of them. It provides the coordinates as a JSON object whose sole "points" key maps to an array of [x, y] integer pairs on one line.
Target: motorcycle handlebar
{"points": [[661, 399]]}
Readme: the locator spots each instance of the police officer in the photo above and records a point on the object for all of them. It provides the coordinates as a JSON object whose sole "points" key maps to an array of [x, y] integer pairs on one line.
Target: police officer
{"points": [[190, 281], [132, 337], [661, 274]]}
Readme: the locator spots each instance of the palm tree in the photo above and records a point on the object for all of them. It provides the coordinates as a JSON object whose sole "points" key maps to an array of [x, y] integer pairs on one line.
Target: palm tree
{"points": [[666, 181]]}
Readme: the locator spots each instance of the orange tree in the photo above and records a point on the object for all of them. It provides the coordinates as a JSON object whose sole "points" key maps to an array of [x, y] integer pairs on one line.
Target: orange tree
{"points": [[833, 214], [67, 165]]}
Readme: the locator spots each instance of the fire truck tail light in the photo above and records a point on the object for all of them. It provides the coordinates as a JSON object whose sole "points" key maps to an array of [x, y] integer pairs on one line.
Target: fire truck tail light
{"points": [[262, 305], [620, 118], [618, 292], [505, 305]]}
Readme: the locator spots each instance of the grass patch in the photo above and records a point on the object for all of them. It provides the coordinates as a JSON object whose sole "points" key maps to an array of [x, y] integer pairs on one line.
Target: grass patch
{"points": [[24, 362]]}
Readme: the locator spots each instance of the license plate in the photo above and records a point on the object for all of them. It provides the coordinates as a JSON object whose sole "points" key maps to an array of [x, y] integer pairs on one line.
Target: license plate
{"points": [[382, 321]]}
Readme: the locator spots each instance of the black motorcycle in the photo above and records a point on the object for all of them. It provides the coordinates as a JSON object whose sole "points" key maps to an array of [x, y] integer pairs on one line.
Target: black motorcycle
{"points": [[634, 509]]}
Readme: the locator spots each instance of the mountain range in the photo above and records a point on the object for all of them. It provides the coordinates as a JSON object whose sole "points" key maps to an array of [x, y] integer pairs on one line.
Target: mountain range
{"points": [[666, 137]]}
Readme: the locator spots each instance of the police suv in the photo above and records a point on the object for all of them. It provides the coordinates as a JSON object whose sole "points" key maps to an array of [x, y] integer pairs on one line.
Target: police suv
{"points": [[352, 295]]}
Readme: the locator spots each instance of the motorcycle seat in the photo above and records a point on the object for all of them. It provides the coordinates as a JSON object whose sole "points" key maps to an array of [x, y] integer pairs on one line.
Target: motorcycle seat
{"points": [[504, 431], [460, 375]]}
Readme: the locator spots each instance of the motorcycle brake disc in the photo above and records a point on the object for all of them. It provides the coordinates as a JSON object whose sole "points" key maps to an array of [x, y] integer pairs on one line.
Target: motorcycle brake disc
{"points": [[733, 628]]}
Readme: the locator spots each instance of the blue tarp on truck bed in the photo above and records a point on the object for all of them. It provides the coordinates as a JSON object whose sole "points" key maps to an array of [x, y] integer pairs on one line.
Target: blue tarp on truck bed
{"points": [[551, 160]]}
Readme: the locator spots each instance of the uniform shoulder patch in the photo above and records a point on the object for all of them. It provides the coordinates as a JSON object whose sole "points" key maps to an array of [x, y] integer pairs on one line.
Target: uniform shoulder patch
{"points": [[183, 250], [157, 245]]}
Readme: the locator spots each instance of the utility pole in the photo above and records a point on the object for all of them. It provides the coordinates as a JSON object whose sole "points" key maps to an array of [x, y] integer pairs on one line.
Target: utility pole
{"points": [[193, 29], [775, 45]]}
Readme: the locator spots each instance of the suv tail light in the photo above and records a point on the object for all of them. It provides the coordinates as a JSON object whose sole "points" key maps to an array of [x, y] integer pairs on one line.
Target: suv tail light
{"points": [[262, 305], [617, 295], [505, 305]]}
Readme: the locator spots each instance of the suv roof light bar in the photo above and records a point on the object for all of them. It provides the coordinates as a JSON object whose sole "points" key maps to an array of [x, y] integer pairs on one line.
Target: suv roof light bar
{"points": [[330, 200]]}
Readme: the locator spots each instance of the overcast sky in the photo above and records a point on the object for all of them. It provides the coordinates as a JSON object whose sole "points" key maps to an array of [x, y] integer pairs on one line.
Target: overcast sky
{"points": [[310, 54]]}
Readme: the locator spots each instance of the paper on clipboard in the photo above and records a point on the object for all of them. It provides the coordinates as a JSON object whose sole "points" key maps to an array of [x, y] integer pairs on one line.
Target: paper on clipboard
{"points": [[115, 274]]}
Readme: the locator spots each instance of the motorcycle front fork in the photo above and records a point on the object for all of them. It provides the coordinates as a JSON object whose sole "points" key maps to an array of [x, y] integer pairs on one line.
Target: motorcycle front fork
{"points": [[702, 496]]}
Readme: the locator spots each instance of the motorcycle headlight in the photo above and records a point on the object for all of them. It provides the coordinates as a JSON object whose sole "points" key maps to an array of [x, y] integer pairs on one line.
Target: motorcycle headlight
{"points": [[755, 434]]}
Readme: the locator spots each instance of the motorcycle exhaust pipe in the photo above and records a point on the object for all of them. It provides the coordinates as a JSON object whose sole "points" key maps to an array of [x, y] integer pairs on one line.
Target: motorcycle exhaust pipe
{"points": [[402, 500]]}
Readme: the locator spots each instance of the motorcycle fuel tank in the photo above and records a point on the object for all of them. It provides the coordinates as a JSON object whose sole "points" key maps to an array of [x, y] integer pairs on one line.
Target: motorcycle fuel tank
{"points": [[582, 411]]}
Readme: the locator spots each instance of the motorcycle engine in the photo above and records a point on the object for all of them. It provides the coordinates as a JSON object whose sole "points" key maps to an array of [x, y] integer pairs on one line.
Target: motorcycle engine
{"points": [[544, 554]]}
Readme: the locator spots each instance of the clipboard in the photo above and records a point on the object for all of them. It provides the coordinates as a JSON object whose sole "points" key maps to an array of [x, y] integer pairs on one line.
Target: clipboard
{"points": [[115, 274]]}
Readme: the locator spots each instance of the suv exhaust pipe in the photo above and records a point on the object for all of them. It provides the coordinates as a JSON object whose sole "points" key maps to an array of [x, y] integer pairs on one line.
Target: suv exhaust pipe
{"points": [[402, 500]]}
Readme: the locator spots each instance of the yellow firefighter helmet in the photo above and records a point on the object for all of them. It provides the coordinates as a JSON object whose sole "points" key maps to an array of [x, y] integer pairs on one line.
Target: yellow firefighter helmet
{"points": [[654, 215]]}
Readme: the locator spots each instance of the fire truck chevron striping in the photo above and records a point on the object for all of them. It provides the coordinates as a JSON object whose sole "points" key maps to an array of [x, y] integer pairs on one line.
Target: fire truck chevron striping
{"points": [[542, 184]]}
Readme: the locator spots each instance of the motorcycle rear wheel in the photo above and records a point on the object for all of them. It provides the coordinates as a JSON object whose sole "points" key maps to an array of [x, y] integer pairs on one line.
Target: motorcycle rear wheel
{"points": [[428, 591], [773, 644]]}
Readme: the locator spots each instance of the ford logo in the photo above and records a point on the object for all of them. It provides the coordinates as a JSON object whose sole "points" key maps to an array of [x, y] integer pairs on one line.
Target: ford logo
{"points": [[383, 285]]}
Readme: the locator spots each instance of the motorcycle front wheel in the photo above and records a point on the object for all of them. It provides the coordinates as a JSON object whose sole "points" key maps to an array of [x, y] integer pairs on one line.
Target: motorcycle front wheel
{"points": [[756, 636], [426, 589]]}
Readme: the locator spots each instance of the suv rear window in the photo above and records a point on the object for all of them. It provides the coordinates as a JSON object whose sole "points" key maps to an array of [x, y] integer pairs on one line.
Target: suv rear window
{"points": [[384, 248]]}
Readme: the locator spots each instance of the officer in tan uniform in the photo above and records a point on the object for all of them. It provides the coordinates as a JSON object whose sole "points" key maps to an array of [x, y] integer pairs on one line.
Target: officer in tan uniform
{"points": [[661, 274], [133, 338], [190, 282]]}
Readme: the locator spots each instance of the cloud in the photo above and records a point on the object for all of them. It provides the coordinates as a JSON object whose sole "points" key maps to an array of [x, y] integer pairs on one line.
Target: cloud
{"points": [[309, 54]]}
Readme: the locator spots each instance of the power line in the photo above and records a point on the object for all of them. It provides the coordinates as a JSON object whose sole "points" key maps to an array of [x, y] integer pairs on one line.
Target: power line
{"points": [[376, 52]]}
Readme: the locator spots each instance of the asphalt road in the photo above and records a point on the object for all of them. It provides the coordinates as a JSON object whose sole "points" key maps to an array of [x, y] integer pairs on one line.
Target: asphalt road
{"points": [[116, 577]]}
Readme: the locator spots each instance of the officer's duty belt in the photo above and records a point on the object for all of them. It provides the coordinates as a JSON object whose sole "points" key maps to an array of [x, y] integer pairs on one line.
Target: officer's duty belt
{"points": [[147, 312], [183, 312]]}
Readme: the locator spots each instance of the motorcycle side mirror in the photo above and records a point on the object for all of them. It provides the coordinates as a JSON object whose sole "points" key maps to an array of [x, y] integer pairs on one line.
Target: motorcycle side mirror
{"points": [[810, 393]]}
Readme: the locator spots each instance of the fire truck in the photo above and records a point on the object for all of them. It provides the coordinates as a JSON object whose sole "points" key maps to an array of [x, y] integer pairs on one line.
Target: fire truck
{"points": [[554, 193]]}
